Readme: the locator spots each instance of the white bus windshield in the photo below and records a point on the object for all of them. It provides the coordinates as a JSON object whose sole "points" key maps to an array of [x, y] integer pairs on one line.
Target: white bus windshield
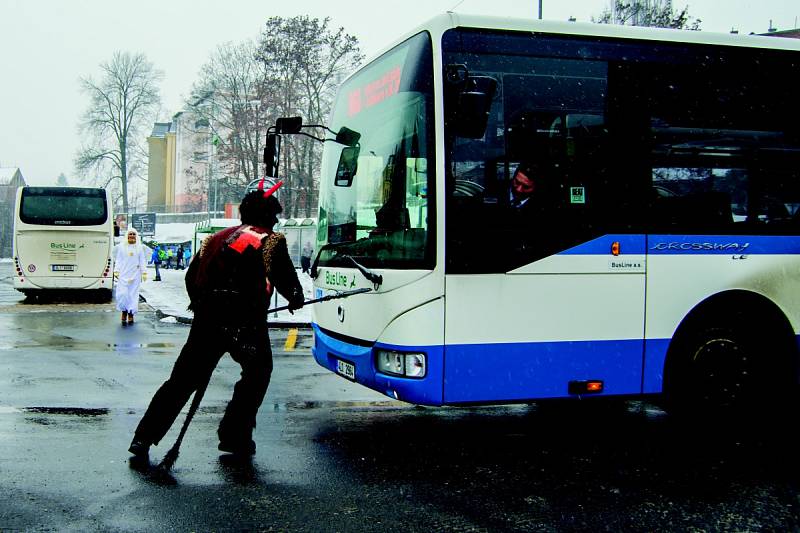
{"points": [[62, 206], [383, 217]]}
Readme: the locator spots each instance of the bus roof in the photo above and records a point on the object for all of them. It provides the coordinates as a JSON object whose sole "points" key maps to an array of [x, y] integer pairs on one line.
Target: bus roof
{"points": [[62, 187], [446, 21]]}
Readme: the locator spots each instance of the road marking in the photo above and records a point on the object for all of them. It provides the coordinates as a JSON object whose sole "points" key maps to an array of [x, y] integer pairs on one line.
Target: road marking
{"points": [[291, 340]]}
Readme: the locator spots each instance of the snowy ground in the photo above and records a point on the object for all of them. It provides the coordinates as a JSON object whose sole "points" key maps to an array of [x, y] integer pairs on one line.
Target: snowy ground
{"points": [[169, 296]]}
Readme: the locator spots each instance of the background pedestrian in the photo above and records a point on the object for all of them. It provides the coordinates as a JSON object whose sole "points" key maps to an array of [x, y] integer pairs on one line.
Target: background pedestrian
{"points": [[130, 263], [155, 258]]}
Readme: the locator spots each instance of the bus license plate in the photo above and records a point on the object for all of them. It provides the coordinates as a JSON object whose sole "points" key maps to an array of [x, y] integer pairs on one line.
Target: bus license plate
{"points": [[346, 369], [63, 268]]}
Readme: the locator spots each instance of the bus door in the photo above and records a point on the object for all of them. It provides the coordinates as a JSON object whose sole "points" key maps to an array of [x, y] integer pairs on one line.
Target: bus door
{"points": [[544, 292], [544, 327]]}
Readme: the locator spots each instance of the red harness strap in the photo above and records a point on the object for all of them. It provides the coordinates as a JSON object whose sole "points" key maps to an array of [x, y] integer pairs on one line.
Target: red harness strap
{"points": [[247, 237]]}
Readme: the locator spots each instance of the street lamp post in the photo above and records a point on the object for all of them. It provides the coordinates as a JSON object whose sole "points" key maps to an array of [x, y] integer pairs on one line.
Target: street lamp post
{"points": [[212, 155]]}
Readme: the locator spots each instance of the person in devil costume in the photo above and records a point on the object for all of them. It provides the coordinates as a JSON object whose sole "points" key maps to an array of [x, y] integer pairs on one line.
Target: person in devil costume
{"points": [[229, 281]]}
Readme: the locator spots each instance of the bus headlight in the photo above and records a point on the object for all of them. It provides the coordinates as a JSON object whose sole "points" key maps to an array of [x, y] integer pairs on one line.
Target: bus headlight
{"points": [[409, 365], [415, 365]]}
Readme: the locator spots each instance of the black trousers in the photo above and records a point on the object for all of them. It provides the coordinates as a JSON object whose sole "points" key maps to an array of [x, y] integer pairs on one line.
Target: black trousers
{"points": [[208, 341]]}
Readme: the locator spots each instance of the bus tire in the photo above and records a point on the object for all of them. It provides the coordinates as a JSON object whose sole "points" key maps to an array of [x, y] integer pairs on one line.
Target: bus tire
{"points": [[106, 295], [729, 362]]}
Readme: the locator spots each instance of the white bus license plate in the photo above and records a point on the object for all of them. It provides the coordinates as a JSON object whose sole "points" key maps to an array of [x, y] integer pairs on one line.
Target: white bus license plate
{"points": [[63, 268], [346, 369]]}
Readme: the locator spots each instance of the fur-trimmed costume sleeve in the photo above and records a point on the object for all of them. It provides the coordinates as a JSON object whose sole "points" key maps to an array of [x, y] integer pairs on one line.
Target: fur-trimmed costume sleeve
{"points": [[190, 279], [280, 270]]}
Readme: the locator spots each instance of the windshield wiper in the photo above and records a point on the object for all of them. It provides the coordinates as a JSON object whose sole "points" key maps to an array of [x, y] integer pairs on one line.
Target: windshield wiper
{"points": [[376, 279], [314, 273]]}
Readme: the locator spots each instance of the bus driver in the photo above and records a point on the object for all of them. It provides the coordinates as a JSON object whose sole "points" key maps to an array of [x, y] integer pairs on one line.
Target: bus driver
{"points": [[522, 186]]}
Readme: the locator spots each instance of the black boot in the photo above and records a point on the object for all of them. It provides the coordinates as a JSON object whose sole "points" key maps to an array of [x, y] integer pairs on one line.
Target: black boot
{"points": [[237, 446], [139, 448], [233, 439]]}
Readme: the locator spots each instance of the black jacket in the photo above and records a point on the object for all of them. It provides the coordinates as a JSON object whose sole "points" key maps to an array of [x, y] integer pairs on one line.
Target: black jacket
{"points": [[234, 273]]}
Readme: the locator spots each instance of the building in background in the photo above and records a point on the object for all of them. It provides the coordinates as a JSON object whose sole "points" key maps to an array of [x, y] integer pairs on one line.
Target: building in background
{"points": [[193, 158], [179, 153], [161, 168], [10, 179]]}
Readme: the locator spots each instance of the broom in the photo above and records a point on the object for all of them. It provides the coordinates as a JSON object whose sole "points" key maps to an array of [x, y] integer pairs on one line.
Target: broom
{"points": [[172, 455]]}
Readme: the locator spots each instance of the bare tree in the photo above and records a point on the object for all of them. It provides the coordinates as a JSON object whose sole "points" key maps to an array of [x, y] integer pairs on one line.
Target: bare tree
{"points": [[230, 106], [303, 61], [122, 103], [653, 13]]}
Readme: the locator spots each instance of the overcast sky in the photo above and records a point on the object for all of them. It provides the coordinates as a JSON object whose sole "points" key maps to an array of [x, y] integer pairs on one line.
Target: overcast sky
{"points": [[46, 45]]}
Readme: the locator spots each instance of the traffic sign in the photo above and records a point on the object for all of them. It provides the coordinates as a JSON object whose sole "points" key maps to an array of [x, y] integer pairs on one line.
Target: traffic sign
{"points": [[145, 223]]}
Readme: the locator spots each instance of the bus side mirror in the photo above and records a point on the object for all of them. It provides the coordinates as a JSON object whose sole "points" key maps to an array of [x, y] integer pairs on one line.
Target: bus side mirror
{"points": [[289, 124], [272, 153], [469, 99], [473, 106], [347, 137], [348, 166]]}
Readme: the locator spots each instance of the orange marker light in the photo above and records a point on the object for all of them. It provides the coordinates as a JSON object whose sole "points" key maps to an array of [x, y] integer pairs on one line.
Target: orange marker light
{"points": [[594, 386], [589, 386], [615, 248]]}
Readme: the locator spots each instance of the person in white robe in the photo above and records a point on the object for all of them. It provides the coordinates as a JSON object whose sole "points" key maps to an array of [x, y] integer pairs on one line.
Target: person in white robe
{"points": [[130, 262]]}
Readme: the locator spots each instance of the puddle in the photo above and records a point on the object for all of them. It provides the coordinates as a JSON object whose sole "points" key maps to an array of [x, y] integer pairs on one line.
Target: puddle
{"points": [[127, 345], [292, 406], [89, 345], [302, 406], [74, 411]]}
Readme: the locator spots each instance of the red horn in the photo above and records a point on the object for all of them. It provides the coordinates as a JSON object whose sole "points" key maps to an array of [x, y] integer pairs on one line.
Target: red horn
{"points": [[261, 185], [271, 189]]}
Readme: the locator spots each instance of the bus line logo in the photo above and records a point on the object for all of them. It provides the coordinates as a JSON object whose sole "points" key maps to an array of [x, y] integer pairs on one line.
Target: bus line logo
{"points": [[619, 264], [337, 279], [702, 246], [63, 246]]}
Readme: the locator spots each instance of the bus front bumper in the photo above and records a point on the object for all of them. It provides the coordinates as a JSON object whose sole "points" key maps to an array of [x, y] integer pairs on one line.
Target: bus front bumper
{"points": [[356, 362]]}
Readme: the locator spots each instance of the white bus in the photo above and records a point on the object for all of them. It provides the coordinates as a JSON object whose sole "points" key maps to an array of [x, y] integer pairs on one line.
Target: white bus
{"points": [[63, 239], [663, 253]]}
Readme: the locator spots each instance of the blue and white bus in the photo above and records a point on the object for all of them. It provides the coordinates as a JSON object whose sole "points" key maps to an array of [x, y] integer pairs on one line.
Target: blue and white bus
{"points": [[663, 255]]}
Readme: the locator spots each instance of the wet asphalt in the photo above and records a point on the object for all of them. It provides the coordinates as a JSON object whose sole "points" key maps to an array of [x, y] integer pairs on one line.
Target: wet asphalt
{"points": [[333, 456]]}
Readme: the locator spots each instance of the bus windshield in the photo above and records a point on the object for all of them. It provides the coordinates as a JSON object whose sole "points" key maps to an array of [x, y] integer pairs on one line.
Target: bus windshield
{"points": [[383, 216], [63, 206]]}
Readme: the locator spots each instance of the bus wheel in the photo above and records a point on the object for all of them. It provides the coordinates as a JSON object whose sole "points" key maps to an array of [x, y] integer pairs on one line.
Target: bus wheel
{"points": [[729, 364]]}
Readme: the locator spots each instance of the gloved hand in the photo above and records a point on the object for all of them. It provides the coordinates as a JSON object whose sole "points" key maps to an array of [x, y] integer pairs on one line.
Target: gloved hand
{"points": [[144, 276], [296, 302], [116, 275]]}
